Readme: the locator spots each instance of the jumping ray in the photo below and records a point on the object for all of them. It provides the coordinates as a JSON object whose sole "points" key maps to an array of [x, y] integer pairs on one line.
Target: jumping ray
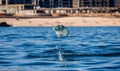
{"points": [[61, 31]]}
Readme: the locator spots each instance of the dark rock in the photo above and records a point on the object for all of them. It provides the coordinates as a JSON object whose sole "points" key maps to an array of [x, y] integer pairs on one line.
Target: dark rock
{"points": [[4, 24]]}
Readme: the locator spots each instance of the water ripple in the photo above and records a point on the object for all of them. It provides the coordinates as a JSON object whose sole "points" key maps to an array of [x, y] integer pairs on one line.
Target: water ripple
{"points": [[39, 49]]}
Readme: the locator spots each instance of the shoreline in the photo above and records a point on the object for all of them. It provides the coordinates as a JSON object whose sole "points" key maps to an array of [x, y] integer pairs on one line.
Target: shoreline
{"points": [[67, 21]]}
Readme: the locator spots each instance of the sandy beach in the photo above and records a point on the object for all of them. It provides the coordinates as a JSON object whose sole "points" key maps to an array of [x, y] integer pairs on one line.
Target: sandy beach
{"points": [[67, 21]]}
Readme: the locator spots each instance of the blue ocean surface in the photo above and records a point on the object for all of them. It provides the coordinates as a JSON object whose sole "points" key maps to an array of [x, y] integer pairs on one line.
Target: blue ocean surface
{"points": [[39, 49]]}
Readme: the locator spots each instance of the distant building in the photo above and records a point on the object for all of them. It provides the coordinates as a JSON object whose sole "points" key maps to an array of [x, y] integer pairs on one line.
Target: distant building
{"points": [[32, 7], [76, 3], [16, 1], [0, 2], [64, 3], [55, 3], [118, 3], [96, 3], [18, 7]]}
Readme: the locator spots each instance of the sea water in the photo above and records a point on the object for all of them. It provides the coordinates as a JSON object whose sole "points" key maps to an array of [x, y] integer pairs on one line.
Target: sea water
{"points": [[39, 49]]}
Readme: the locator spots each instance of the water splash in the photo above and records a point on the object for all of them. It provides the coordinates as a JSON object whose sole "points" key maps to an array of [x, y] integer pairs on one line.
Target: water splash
{"points": [[60, 57]]}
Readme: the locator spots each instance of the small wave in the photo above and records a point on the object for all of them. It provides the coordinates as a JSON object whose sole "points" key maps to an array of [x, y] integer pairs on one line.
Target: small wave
{"points": [[4, 52], [27, 45], [4, 63], [50, 51], [50, 45], [38, 63], [85, 54], [40, 55], [108, 68], [11, 35], [32, 56], [112, 67], [110, 45], [43, 37]]}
